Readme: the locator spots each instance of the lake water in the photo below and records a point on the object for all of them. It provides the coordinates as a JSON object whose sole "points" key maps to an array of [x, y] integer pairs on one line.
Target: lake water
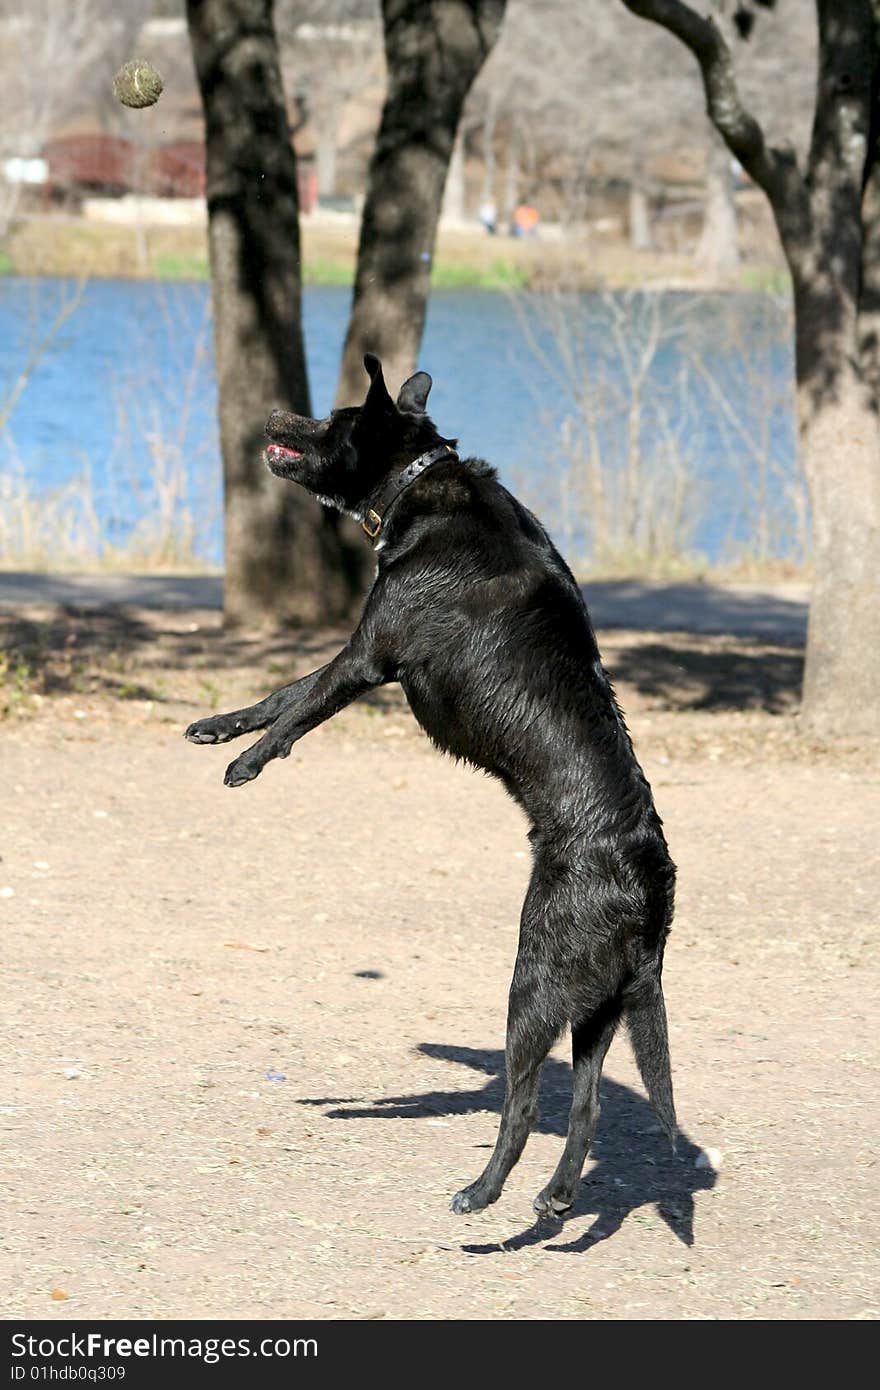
{"points": [[685, 400]]}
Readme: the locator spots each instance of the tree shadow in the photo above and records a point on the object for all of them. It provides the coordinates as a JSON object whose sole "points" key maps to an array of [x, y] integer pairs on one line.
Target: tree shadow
{"points": [[632, 1164], [639, 605], [713, 675], [127, 651], [133, 654], [126, 635], [75, 652]]}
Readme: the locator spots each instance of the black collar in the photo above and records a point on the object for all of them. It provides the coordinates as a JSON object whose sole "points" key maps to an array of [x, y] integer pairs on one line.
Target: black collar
{"points": [[380, 501]]}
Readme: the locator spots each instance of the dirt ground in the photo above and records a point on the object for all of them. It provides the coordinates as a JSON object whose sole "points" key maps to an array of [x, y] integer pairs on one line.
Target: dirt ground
{"points": [[253, 1038]]}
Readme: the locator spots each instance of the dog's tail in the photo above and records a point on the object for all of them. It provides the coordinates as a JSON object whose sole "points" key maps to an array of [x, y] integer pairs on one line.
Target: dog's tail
{"points": [[645, 1015]]}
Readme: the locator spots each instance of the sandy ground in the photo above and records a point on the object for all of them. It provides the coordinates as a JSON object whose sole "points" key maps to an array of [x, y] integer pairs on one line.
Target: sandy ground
{"points": [[253, 1038]]}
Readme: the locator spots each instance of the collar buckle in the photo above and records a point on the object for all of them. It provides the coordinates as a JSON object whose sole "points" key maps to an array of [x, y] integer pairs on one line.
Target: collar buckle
{"points": [[387, 495]]}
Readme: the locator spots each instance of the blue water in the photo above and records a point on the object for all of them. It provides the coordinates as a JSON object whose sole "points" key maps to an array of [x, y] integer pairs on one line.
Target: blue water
{"points": [[128, 378]]}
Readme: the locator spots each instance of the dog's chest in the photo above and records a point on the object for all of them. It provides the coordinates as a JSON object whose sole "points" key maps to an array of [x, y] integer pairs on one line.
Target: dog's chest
{"points": [[460, 719], [438, 709]]}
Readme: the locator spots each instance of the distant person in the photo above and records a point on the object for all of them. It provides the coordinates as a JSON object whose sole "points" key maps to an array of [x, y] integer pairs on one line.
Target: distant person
{"points": [[525, 221], [489, 216]]}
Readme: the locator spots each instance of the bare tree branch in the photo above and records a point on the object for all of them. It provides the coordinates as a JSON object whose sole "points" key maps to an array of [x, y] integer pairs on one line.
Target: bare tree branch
{"points": [[773, 170]]}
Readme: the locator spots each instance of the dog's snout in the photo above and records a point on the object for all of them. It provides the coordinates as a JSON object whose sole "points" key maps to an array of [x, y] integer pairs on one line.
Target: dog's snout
{"points": [[284, 426]]}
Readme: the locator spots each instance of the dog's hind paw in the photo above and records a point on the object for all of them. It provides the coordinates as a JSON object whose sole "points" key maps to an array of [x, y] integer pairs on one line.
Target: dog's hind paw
{"points": [[472, 1198], [550, 1203], [460, 1204]]}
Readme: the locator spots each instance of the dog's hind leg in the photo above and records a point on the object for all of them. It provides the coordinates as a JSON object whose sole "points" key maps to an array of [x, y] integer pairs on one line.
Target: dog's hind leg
{"points": [[645, 1014], [590, 1040], [534, 1022]]}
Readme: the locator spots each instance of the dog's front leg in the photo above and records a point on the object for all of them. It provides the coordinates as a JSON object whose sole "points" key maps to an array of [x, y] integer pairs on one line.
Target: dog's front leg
{"points": [[221, 728], [350, 674]]}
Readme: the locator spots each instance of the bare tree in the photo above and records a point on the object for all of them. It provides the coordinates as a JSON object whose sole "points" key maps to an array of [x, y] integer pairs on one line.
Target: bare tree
{"points": [[717, 249], [628, 448], [539, 134], [329, 52], [51, 56], [285, 560], [827, 211], [434, 50], [527, 109]]}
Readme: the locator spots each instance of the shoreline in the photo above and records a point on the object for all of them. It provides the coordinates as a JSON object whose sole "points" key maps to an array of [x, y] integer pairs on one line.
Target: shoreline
{"points": [[466, 258]]}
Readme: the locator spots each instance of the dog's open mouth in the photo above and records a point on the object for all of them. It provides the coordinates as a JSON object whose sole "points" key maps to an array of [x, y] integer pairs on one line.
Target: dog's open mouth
{"points": [[280, 451]]}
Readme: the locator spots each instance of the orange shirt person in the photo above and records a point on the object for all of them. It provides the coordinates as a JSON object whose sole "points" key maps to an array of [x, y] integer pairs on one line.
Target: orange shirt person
{"points": [[525, 220]]}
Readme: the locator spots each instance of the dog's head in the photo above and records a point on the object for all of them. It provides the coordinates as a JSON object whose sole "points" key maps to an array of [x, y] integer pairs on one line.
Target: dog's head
{"points": [[343, 459]]}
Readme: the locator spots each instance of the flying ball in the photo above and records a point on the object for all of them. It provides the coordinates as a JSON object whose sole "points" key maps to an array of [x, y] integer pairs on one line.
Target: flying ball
{"points": [[138, 84]]}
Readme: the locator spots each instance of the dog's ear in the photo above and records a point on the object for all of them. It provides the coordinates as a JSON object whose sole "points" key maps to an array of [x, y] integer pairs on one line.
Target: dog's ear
{"points": [[377, 398], [372, 365], [413, 394]]}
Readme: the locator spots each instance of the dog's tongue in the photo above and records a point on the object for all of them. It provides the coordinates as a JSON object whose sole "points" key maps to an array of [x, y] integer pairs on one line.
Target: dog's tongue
{"points": [[281, 449]]}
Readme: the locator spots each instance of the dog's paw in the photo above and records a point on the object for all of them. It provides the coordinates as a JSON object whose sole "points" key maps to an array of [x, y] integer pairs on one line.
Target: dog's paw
{"points": [[218, 728], [461, 1203], [240, 771], [552, 1202], [473, 1198]]}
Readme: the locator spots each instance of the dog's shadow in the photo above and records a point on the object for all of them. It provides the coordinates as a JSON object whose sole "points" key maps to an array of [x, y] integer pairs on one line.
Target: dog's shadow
{"points": [[631, 1164]]}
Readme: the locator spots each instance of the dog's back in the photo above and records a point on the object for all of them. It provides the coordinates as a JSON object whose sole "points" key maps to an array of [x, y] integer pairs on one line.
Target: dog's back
{"points": [[502, 666]]}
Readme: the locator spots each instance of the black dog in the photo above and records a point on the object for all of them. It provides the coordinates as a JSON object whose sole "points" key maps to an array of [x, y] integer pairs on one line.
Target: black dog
{"points": [[476, 615]]}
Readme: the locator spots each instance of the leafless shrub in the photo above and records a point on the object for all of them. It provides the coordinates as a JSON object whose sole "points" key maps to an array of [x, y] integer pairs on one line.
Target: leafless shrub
{"points": [[654, 387], [626, 452], [41, 336], [164, 515], [58, 529], [753, 412], [177, 507]]}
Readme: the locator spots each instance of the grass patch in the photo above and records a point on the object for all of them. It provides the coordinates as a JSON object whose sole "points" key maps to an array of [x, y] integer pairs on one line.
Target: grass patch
{"points": [[328, 270], [445, 275], [498, 275], [765, 279], [48, 245], [60, 528], [173, 265], [16, 684]]}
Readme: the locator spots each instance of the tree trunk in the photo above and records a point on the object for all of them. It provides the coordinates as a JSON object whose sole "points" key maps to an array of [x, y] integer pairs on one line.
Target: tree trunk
{"points": [[834, 268], [840, 450], [284, 560], [639, 213], [326, 156], [453, 207], [869, 295], [434, 51], [717, 250], [488, 141], [512, 171], [828, 217]]}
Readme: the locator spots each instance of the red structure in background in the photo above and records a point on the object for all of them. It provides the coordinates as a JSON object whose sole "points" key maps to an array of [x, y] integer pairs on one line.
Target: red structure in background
{"points": [[109, 166], [92, 164], [307, 183], [179, 170]]}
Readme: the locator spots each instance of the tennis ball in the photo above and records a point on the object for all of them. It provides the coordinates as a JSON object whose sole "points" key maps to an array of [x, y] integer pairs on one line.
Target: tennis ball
{"points": [[138, 84]]}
